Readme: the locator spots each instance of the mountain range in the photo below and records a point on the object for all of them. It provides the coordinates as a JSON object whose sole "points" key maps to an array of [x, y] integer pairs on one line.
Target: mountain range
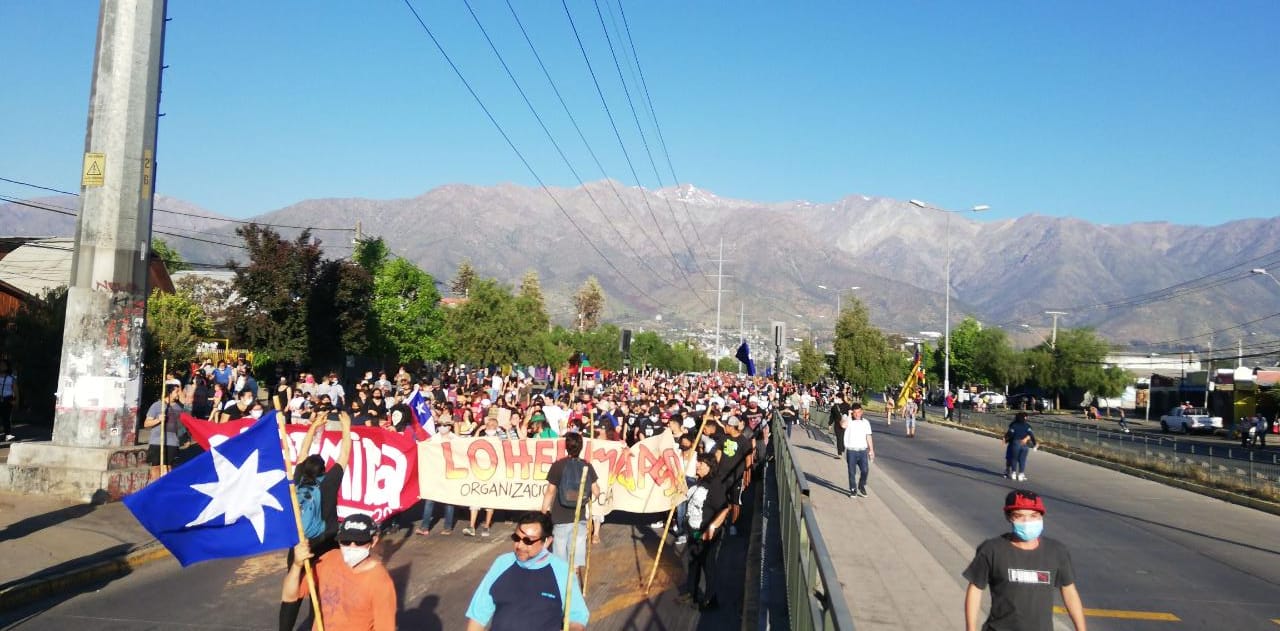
{"points": [[1157, 286]]}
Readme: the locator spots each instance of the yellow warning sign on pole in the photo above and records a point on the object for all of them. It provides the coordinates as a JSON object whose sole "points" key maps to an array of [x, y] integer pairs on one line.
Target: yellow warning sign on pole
{"points": [[146, 174], [95, 165]]}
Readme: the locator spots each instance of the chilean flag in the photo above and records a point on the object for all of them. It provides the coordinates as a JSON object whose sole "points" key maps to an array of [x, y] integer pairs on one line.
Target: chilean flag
{"points": [[421, 408]]}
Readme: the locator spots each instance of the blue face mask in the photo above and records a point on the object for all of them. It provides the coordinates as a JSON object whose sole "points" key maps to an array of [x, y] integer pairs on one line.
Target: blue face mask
{"points": [[1028, 530], [534, 562]]}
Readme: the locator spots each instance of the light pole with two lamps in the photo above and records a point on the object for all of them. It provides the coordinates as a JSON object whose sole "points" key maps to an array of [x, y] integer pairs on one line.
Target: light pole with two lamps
{"points": [[946, 353]]}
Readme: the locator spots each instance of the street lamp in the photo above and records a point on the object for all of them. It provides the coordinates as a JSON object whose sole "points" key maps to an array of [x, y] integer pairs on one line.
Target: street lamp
{"points": [[838, 291], [946, 357], [1263, 272]]}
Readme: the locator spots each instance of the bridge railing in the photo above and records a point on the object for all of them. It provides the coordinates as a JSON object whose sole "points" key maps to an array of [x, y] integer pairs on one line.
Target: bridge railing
{"points": [[814, 597]]}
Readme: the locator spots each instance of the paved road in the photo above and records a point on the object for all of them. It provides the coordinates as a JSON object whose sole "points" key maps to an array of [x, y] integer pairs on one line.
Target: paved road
{"points": [[1138, 546]]}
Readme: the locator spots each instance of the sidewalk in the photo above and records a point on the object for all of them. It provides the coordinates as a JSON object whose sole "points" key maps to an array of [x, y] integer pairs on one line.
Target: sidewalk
{"points": [[898, 564]]}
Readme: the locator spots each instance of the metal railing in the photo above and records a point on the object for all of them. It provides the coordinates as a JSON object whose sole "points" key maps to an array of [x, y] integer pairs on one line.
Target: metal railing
{"points": [[1224, 465], [814, 597]]}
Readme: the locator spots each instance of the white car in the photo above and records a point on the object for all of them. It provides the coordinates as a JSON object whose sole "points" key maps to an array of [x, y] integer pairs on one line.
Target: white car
{"points": [[994, 399], [1188, 420]]}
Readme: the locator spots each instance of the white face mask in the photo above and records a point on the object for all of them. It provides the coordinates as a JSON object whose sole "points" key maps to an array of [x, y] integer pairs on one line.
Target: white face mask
{"points": [[256, 413], [353, 555]]}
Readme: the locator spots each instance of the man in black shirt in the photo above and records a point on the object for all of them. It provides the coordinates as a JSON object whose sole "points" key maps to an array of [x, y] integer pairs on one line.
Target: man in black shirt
{"points": [[1022, 568], [735, 457], [562, 511], [838, 410]]}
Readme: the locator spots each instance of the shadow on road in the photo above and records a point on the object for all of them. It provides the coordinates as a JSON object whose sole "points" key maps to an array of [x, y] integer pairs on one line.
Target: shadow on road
{"points": [[825, 483], [967, 467], [40, 606]]}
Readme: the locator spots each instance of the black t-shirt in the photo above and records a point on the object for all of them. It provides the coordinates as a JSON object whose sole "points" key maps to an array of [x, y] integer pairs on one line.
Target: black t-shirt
{"points": [[1022, 582], [235, 412], [560, 514], [753, 418], [733, 458], [838, 410], [712, 500]]}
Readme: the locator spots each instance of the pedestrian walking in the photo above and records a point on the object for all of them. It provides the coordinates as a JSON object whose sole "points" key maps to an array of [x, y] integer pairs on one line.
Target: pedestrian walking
{"points": [[909, 416], [839, 413], [1022, 568], [1019, 441], [1124, 424], [8, 398], [860, 450]]}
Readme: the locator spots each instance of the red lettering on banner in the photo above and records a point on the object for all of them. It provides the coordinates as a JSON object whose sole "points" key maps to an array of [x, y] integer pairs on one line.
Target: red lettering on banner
{"points": [[483, 471], [619, 463], [675, 467], [516, 453], [451, 471], [654, 467], [543, 455]]}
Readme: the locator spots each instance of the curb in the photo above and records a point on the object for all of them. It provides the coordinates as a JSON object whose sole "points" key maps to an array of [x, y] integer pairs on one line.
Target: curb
{"points": [[28, 591], [1226, 496]]}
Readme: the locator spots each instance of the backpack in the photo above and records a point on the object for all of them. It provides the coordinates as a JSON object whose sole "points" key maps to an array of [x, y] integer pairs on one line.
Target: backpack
{"points": [[313, 524], [570, 482]]}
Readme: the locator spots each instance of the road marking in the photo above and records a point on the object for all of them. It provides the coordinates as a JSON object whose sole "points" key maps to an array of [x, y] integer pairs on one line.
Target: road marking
{"points": [[1126, 615]]}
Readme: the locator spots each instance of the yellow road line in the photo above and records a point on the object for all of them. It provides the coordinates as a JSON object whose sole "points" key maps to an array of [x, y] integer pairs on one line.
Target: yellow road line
{"points": [[1127, 615]]}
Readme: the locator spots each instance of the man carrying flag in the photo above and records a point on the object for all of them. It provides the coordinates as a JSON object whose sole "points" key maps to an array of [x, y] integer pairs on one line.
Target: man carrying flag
{"points": [[356, 590], [420, 405]]}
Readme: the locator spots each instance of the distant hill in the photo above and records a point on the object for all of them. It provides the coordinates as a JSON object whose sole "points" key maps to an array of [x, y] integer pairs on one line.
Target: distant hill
{"points": [[1005, 272]]}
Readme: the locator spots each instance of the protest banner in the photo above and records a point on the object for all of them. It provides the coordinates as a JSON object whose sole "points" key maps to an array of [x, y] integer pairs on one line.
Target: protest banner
{"points": [[381, 479], [512, 474]]}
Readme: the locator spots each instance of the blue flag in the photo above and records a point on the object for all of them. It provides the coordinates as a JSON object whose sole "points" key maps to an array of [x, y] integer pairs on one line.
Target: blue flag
{"points": [[230, 501], [421, 408], [744, 356]]}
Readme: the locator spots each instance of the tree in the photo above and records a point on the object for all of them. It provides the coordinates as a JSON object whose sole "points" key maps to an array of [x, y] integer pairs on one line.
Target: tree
{"points": [[811, 366], [371, 254], [407, 308], [213, 295], [995, 362], [589, 301], [175, 325], [462, 282], [532, 302], [340, 319], [271, 313], [33, 344], [173, 262], [1074, 363], [863, 356], [483, 330]]}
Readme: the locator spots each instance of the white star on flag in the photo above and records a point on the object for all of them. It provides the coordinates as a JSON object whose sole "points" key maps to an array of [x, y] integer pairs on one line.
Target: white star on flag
{"points": [[239, 492]]}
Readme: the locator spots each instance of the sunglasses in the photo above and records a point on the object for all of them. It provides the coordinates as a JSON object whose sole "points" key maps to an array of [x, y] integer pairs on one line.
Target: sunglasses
{"points": [[353, 543], [525, 540]]}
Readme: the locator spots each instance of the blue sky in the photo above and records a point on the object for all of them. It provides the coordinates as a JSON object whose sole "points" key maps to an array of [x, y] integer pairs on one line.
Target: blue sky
{"points": [[1113, 112]]}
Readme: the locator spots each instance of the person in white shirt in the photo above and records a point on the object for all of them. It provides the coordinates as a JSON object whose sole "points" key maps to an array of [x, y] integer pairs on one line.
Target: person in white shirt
{"points": [[859, 449]]}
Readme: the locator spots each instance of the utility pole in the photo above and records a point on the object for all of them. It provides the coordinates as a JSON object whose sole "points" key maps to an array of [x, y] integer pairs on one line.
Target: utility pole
{"points": [[100, 378], [1053, 341], [719, 294], [742, 326]]}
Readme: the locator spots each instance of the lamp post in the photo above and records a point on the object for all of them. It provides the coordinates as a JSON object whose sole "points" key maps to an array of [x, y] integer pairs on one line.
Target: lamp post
{"points": [[946, 356], [839, 291]]}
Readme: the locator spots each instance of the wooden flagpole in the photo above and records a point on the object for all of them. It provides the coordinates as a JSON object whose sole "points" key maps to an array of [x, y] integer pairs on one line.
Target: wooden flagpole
{"points": [[666, 529], [308, 570], [573, 540], [164, 414]]}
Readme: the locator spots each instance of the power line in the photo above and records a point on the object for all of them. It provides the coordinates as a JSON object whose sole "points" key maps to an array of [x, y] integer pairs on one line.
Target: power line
{"points": [[457, 71], [184, 214], [559, 150]]}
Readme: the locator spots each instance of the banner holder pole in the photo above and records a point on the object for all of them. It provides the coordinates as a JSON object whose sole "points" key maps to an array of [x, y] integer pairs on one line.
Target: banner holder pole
{"points": [[666, 529], [573, 539], [287, 447]]}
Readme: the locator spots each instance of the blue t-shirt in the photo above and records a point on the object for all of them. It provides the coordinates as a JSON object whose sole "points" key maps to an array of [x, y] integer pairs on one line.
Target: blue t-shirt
{"points": [[1019, 430], [512, 597]]}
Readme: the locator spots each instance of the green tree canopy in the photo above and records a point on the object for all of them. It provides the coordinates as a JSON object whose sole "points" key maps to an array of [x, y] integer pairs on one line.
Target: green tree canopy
{"points": [[1076, 362], [407, 308], [863, 356], [811, 366], [173, 261], [589, 301]]}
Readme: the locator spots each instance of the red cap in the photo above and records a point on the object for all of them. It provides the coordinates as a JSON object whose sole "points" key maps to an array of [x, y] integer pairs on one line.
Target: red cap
{"points": [[1023, 500]]}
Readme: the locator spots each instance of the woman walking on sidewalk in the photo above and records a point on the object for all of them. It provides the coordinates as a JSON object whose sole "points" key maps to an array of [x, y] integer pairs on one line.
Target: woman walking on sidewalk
{"points": [[1019, 440]]}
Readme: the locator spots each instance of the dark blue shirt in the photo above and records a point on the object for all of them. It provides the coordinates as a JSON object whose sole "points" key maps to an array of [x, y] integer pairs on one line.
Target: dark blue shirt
{"points": [[512, 597]]}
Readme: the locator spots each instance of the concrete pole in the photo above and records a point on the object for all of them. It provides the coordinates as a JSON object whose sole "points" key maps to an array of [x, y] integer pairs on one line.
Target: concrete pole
{"points": [[100, 378]]}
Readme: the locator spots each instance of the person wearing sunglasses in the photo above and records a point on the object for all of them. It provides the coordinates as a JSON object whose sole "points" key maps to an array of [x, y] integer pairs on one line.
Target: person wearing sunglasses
{"points": [[368, 595], [524, 588]]}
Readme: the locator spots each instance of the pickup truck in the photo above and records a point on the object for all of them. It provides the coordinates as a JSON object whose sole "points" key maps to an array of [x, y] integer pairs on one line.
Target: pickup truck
{"points": [[1188, 420]]}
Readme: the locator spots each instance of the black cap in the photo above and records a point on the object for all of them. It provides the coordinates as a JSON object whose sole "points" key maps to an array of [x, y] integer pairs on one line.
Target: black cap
{"points": [[358, 528]]}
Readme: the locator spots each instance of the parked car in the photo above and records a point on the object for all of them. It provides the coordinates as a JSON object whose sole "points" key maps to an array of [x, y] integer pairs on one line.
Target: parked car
{"points": [[992, 398], [1189, 420], [1029, 401]]}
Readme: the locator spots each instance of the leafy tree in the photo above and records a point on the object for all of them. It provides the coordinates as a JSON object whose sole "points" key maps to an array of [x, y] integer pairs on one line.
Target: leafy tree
{"points": [[1076, 362], [811, 366], [175, 325], [863, 356], [532, 303], [483, 330], [340, 314], [647, 348], [589, 301], [465, 278], [371, 254], [173, 262], [995, 362], [213, 295], [271, 313], [407, 308]]}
